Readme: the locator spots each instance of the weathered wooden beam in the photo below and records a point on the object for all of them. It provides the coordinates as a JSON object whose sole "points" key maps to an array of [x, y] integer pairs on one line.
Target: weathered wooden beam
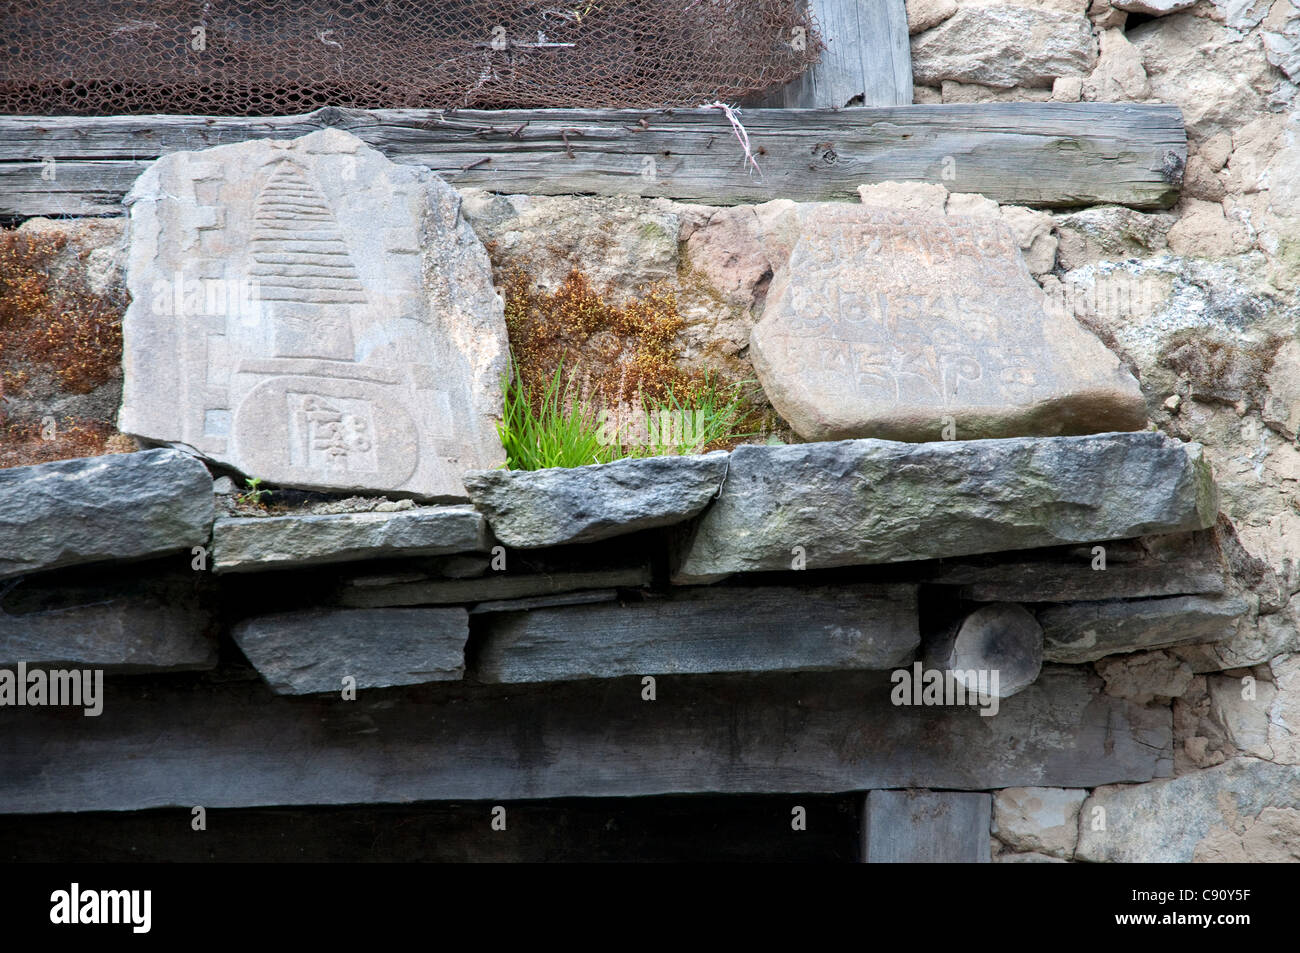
{"points": [[1042, 154], [866, 58], [926, 827], [234, 744], [1002, 639]]}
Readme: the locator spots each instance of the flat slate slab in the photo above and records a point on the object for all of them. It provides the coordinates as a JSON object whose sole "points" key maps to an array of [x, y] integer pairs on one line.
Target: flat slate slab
{"points": [[858, 502], [300, 653], [253, 543], [1191, 565], [495, 586], [897, 325], [583, 598], [769, 629], [1086, 631], [238, 745], [531, 509], [926, 827], [102, 509], [312, 314], [145, 625]]}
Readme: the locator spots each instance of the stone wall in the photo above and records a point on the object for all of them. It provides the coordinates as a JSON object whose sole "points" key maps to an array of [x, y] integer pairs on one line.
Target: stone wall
{"points": [[1200, 302]]}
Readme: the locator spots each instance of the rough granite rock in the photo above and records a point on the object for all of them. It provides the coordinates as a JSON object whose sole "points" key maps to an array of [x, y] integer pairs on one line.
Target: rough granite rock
{"points": [[1242, 810], [531, 509], [924, 14], [1199, 738], [1110, 232], [1274, 635], [1282, 406], [728, 251], [313, 314], [299, 653], [1039, 820], [873, 501], [1243, 14], [1200, 182], [1067, 89], [1033, 232], [124, 627], [1004, 46], [1203, 231], [1282, 46], [1145, 676], [1119, 75], [1243, 712], [896, 196], [849, 347], [1216, 75], [955, 92], [621, 245], [1284, 712], [98, 509], [1087, 631], [249, 544]]}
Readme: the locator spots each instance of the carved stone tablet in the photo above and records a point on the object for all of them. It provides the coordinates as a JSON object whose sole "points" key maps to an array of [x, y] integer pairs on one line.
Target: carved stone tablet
{"points": [[910, 326], [310, 313]]}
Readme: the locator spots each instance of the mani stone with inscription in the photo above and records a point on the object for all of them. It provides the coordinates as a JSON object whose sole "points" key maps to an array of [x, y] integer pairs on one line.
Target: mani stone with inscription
{"points": [[312, 314], [915, 327]]}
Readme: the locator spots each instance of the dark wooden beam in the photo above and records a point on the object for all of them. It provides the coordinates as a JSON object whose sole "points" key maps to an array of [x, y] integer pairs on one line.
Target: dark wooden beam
{"points": [[234, 744], [1040, 154]]}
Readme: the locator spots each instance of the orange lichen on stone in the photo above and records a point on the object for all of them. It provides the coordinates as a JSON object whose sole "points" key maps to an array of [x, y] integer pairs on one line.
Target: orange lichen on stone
{"points": [[58, 439], [61, 324], [611, 353], [57, 338]]}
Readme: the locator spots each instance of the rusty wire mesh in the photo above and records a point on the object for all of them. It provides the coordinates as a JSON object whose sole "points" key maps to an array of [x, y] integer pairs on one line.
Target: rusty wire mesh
{"points": [[272, 57]]}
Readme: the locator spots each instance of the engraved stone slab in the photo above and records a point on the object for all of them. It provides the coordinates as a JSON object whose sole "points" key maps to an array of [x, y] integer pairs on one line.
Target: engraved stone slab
{"points": [[896, 325], [310, 313]]}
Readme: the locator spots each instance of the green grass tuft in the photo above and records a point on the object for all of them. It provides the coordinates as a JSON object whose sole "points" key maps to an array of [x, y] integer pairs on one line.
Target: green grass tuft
{"points": [[558, 429]]}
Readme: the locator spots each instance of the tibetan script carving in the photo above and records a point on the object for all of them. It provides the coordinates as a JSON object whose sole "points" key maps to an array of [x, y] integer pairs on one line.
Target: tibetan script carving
{"points": [[312, 314]]}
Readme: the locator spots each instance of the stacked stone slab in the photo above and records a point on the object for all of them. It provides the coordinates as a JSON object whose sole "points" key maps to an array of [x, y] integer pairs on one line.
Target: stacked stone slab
{"points": [[858, 502], [531, 509], [102, 509]]}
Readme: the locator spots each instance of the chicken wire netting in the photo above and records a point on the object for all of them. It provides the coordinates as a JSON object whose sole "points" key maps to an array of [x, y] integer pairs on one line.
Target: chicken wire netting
{"points": [[273, 57]]}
